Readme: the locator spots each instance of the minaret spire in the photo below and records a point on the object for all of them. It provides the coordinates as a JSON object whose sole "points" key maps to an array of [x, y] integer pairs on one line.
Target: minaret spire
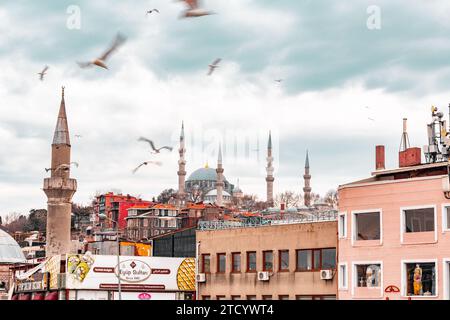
{"points": [[59, 189], [269, 170], [181, 169], [307, 178], [219, 183]]}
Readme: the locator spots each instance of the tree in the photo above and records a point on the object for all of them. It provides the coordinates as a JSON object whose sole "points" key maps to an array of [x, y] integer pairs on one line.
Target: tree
{"points": [[331, 198], [250, 202], [37, 220], [289, 198], [166, 195]]}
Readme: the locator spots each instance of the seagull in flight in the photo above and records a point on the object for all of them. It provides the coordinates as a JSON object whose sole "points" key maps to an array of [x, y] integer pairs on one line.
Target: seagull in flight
{"points": [[101, 61], [194, 10], [371, 119], [78, 136], [278, 80], [63, 166], [158, 163], [152, 145], [151, 11], [43, 73], [213, 66]]}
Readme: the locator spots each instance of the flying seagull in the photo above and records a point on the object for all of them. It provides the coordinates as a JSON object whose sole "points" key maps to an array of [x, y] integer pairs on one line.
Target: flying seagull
{"points": [[371, 119], [194, 10], [151, 11], [213, 66], [43, 73], [278, 80], [101, 61], [152, 145], [158, 163], [78, 136], [63, 166]]}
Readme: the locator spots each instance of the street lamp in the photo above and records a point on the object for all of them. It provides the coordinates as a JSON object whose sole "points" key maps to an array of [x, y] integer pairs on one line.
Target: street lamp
{"points": [[103, 216]]}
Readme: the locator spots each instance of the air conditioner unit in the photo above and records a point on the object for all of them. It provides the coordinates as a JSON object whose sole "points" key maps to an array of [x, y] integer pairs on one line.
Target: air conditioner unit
{"points": [[263, 276], [326, 274], [201, 277]]}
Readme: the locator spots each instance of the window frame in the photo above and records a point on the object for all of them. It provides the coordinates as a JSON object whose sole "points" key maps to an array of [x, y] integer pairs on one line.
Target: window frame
{"points": [[264, 260], [445, 221], [280, 269], [218, 262], [284, 295], [247, 262], [343, 234], [403, 220], [404, 284], [355, 236], [203, 263], [313, 261], [446, 276], [341, 285], [354, 282], [232, 262]]}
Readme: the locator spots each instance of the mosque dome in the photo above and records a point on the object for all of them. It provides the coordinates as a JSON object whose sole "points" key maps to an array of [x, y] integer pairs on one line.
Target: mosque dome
{"points": [[10, 251], [203, 174], [213, 193]]}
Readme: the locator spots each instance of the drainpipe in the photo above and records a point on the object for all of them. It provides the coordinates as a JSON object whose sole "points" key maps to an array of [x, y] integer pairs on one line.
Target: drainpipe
{"points": [[197, 262]]}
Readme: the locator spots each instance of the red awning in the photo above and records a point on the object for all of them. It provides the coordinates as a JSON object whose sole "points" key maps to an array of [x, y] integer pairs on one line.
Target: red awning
{"points": [[25, 296], [52, 295], [38, 296], [15, 297]]}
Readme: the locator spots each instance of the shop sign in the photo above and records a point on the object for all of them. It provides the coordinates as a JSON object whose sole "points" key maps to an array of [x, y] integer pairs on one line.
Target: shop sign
{"points": [[37, 282], [133, 270]]}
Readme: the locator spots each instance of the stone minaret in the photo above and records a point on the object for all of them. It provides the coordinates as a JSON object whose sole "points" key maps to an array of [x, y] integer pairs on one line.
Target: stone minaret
{"points": [[181, 169], [59, 189], [269, 170], [219, 183], [307, 187]]}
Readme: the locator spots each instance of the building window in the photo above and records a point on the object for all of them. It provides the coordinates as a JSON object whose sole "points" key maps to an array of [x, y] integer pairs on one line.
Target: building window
{"points": [[283, 297], [368, 275], [236, 262], [235, 297], [446, 218], [303, 297], [220, 297], [251, 261], [283, 257], [421, 279], [251, 297], [316, 259], [267, 261], [315, 297], [343, 277], [206, 263], [342, 222], [367, 226], [221, 262], [419, 220], [206, 297], [266, 297]]}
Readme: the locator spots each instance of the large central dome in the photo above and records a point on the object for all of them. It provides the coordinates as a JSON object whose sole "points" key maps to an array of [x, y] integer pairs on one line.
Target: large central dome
{"points": [[204, 174], [10, 251]]}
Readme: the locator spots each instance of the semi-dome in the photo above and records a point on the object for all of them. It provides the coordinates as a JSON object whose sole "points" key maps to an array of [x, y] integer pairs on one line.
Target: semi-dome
{"points": [[203, 174], [10, 251], [213, 192]]}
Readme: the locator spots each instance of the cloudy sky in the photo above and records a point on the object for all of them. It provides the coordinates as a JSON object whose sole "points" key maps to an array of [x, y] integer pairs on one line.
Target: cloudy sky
{"points": [[337, 73]]}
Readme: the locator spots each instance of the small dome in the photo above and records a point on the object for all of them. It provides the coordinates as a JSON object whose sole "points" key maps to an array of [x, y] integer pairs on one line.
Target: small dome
{"points": [[208, 174], [292, 210], [213, 193], [10, 251]]}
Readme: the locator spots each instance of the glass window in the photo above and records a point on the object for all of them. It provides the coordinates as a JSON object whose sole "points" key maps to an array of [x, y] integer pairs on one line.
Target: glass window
{"points": [[251, 261], [304, 260], [342, 226], [220, 297], [251, 297], [236, 262], [284, 260], [267, 297], [267, 260], [298, 297], [206, 297], [447, 213], [283, 297], [367, 226], [368, 275], [343, 276], [206, 263], [235, 297], [316, 259], [328, 258], [328, 298], [221, 262], [421, 279], [419, 220]]}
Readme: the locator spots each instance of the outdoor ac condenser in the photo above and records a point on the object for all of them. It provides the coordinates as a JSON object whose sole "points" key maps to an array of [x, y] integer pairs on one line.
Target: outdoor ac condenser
{"points": [[263, 276], [201, 277], [326, 274]]}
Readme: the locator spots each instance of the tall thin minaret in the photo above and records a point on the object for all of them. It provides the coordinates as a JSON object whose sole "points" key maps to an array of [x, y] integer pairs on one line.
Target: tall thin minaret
{"points": [[307, 187], [181, 169], [269, 170], [219, 183], [59, 189]]}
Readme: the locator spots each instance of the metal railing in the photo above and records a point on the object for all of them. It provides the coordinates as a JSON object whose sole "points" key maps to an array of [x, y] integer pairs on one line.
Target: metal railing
{"points": [[280, 220]]}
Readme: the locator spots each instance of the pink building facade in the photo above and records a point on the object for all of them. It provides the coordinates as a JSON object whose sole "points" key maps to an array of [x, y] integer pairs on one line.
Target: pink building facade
{"points": [[394, 235]]}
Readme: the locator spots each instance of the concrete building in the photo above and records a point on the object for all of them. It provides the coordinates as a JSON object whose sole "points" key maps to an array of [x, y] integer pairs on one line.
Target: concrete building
{"points": [[394, 231], [285, 260], [59, 189]]}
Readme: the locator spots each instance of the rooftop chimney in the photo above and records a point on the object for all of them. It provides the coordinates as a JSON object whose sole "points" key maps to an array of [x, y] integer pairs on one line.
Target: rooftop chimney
{"points": [[379, 158]]}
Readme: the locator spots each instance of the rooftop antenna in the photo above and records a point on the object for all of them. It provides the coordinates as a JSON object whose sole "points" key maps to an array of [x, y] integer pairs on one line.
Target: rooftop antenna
{"points": [[404, 142]]}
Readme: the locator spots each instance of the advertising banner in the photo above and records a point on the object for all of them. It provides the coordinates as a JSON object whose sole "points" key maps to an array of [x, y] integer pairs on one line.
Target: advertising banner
{"points": [[145, 295], [136, 273]]}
